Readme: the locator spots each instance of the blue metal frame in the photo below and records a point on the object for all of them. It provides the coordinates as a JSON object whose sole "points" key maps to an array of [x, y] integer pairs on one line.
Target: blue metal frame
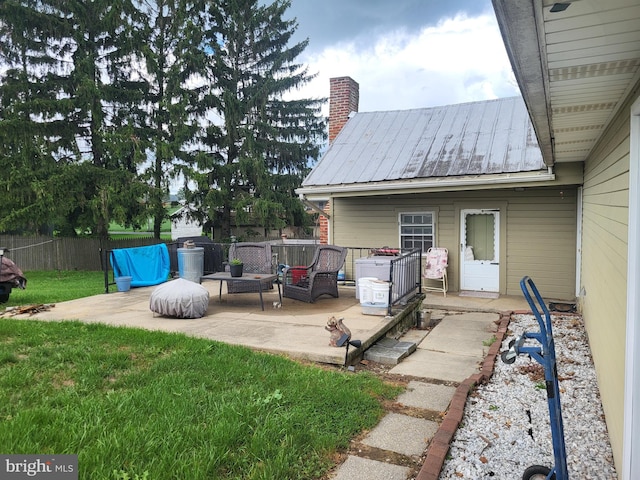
{"points": [[545, 355]]}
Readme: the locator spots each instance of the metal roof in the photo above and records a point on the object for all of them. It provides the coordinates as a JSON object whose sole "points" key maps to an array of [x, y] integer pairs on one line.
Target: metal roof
{"points": [[575, 67], [479, 138]]}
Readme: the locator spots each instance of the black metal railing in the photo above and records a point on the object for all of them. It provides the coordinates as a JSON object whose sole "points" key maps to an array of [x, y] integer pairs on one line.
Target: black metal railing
{"points": [[406, 277]]}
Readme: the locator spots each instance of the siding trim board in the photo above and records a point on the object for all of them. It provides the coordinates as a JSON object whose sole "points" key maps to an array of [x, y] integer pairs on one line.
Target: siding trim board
{"points": [[631, 449]]}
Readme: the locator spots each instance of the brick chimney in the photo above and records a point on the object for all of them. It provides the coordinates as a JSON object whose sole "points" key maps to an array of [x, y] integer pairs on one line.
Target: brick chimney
{"points": [[344, 95]]}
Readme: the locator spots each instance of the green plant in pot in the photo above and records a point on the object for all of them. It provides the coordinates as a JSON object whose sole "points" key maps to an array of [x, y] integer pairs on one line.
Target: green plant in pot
{"points": [[235, 267]]}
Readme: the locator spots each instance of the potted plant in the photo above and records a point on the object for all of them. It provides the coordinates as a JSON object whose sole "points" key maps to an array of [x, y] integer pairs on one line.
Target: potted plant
{"points": [[235, 267]]}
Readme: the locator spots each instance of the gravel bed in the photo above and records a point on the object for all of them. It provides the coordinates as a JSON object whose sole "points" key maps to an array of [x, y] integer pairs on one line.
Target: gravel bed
{"points": [[506, 428]]}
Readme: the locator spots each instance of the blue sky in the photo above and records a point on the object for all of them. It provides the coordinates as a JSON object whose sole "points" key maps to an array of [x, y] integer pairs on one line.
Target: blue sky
{"points": [[405, 53]]}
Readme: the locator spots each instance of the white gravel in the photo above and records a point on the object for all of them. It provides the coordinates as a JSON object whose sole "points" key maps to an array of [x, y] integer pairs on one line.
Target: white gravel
{"points": [[498, 440]]}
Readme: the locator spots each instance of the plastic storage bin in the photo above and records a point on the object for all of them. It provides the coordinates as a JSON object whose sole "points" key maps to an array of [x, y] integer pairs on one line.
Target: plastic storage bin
{"points": [[365, 294], [378, 267]]}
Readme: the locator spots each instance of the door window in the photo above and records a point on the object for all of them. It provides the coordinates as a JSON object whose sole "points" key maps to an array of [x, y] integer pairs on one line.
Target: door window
{"points": [[480, 230]]}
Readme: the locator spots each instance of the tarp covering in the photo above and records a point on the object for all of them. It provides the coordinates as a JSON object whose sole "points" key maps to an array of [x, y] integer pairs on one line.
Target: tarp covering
{"points": [[180, 298], [10, 273], [145, 265]]}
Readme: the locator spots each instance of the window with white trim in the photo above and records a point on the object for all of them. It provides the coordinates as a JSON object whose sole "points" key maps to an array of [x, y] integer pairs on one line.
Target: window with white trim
{"points": [[417, 230]]}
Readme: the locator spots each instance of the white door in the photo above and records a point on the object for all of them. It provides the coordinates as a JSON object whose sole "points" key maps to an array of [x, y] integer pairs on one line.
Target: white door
{"points": [[480, 250]]}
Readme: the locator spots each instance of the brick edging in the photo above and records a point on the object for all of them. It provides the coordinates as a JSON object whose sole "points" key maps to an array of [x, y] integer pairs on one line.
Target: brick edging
{"points": [[441, 441]]}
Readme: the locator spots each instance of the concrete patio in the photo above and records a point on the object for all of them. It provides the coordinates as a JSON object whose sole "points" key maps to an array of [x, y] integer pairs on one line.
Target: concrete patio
{"points": [[294, 328]]}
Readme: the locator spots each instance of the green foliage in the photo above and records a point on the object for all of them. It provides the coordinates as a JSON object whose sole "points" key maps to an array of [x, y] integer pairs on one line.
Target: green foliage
{"points": [[260, 153], [489, 341], [104, 103]]}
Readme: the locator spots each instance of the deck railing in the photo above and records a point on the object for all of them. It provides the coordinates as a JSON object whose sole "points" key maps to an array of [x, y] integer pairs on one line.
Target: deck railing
{"points": [[406, 278]]}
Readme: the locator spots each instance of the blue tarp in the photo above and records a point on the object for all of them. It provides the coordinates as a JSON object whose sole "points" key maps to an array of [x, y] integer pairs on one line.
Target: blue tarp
{"points": [[145, 265]]}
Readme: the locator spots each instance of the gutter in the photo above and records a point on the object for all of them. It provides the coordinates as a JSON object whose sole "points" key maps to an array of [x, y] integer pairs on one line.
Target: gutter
{"points": [[421, 184]]}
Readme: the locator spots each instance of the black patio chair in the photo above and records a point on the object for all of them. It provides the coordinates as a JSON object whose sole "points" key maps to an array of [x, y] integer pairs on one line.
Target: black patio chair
{"points": [[320, 278]]}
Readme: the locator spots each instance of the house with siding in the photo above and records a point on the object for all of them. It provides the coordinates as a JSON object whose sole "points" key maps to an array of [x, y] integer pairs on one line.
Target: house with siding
{"points": [[577, 64], [468, 177]]}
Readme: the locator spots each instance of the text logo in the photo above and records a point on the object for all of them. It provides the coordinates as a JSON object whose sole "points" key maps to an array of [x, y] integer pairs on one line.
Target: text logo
{"points": [[39, 467]]}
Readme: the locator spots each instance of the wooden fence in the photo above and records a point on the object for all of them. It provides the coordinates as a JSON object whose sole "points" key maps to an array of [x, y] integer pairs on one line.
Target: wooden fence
{"points": [[54, 253]]}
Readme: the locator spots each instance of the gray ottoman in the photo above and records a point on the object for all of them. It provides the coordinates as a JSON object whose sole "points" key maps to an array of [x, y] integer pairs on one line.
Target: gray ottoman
{"points": [[180, 298]]}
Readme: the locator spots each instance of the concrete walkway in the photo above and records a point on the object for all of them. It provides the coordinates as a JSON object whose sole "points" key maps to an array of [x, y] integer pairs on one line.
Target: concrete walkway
{"points": [[451, 353], [457, 352]]}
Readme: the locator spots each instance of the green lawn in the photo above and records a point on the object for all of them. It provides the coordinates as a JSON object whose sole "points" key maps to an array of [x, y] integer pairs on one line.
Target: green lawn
{"points": [[56, 286], [164, 227], [136, 404]]}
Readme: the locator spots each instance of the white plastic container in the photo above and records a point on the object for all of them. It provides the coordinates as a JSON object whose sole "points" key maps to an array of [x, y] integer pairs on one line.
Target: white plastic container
{"points": [[380, 292], [365, 293], [374, 309]]}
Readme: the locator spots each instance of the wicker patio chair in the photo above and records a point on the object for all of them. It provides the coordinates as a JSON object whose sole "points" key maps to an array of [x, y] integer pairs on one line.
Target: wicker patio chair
{"points": [[319, 278], [256, 258]]}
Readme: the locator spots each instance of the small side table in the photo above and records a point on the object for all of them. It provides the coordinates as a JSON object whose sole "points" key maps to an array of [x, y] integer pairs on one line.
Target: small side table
{"points": [[258, 278]]}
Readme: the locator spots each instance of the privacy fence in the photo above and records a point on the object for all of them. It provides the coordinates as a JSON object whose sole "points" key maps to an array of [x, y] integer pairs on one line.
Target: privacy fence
{"points": [[53, 253]]}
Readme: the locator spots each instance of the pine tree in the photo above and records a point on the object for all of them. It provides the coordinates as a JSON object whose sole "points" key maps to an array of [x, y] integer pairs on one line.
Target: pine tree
{"points": [[31, 136], [258, 153], [99, 38], [173, 63], [67, 77]]}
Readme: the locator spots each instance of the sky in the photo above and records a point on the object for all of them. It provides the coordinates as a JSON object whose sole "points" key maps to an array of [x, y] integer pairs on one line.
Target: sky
{"points": [[404, 53]]}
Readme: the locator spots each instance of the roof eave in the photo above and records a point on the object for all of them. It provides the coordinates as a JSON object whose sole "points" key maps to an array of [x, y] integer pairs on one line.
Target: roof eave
{"points": [[520, 24], [422, 184]]}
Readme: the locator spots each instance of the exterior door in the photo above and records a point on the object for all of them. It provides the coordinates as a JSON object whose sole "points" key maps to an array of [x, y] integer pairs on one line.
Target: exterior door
{"points": [[480, 250]]}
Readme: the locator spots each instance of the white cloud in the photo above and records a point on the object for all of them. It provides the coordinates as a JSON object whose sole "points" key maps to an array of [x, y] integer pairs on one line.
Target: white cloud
{"points": [[461, 59]]}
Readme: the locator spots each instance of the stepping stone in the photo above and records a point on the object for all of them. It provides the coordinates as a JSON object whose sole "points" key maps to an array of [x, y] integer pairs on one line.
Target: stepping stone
{"points": [[389, 351]]}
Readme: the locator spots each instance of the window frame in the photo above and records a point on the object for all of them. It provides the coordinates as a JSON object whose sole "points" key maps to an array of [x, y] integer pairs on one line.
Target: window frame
{"points": [[434, 215]]}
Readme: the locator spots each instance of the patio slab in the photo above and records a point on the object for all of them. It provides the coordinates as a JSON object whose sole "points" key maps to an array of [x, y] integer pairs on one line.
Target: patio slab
{"points": [[294, 328]]}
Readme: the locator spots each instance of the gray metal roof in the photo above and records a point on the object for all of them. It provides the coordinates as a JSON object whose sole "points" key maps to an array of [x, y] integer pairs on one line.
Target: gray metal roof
{"points": [[489, 137]]}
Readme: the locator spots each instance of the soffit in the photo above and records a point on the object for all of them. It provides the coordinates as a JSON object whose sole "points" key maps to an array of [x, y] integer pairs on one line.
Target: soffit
{"points": [[575, 67]]}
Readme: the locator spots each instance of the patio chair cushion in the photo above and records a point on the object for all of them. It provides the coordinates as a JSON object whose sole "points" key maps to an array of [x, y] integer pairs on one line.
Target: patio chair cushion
{"points": [[180, 298]]}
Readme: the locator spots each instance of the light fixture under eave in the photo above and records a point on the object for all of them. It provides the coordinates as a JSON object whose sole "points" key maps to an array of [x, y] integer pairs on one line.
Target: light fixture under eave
{"points": [[559, 7]]}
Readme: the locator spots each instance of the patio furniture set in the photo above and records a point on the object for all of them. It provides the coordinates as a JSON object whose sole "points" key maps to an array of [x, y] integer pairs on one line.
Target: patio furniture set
{"points": [[305, 283]]}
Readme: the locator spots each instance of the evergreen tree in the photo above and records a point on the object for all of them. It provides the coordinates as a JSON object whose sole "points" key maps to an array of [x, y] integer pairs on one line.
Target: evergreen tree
{"points": [[173, 61], [67, 79], [99, 38], [258, 153], [32, 137]]}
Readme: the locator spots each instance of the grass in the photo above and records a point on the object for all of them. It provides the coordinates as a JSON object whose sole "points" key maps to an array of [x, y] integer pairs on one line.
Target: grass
{"points": [[135, 401], [165, 226], [56, 286], [142, 404]]}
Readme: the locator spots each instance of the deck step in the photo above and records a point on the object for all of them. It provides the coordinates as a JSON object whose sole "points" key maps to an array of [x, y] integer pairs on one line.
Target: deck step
{"points": [[389, 351]]}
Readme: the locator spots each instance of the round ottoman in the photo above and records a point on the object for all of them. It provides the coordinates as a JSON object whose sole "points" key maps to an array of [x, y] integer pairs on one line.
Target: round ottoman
{"points": [[180, 298]]}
